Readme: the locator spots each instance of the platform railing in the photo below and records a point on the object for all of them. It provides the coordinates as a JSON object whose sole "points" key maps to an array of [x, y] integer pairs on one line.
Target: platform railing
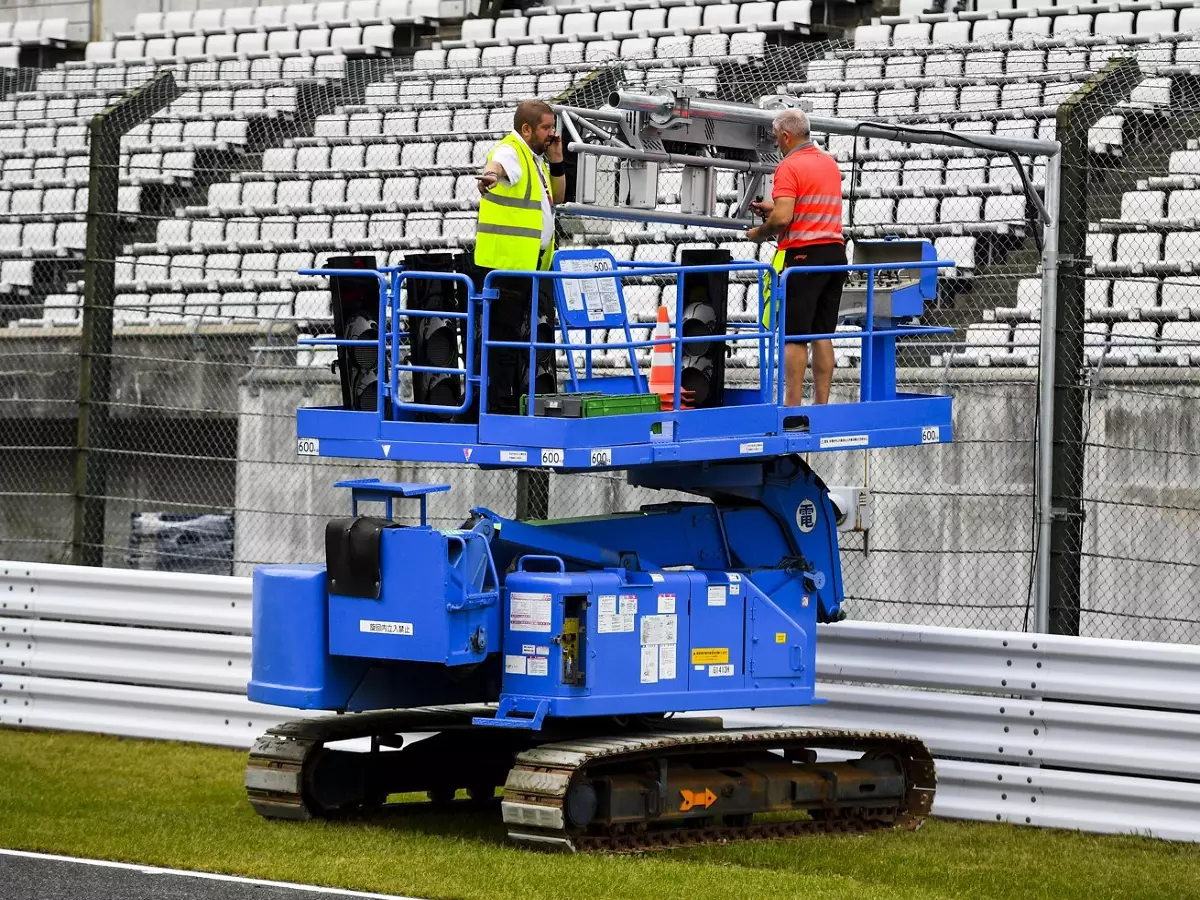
{"points": [[873, 368], [380, 275], [878, 357], [469, 379], [677, 341]]}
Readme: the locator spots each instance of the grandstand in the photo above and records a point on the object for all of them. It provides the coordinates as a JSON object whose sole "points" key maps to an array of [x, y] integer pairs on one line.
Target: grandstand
{"points": [[309, 130]]}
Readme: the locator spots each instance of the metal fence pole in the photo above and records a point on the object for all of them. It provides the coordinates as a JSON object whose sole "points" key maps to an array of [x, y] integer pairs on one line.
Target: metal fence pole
{"points": [[1063, 365], [95, 364], [1042, 445]]}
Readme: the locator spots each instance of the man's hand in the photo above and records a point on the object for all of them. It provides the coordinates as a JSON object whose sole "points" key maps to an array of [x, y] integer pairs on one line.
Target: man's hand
{"points": [[778, 218], [762, 207], [554, 149], [486, 182]]}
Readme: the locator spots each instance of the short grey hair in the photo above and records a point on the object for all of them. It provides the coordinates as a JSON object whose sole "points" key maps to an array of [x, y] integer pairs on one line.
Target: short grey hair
{"points": [[793, 122]]}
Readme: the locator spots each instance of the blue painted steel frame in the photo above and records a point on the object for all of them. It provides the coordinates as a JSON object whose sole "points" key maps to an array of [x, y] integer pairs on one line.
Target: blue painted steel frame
{"points": [[754, 423]]}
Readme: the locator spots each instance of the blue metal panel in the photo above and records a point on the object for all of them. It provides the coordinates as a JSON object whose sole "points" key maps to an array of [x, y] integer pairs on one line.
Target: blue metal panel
{"points": [[333, 421], [633, 636], [655, 642], [779, 647], [704, 434], [292, 665], [533, 662], [685, 534], [755, 537], [641, 455], [431, 607], [290, 660], [716, 661], [602, 432], [373, 490]]}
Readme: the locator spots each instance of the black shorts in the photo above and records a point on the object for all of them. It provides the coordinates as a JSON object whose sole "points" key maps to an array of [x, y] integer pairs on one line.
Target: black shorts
{"points": [[813, 298]]}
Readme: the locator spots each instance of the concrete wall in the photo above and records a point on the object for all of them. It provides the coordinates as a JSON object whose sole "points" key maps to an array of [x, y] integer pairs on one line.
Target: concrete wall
{"points": [[952, 539], [283, 501]]}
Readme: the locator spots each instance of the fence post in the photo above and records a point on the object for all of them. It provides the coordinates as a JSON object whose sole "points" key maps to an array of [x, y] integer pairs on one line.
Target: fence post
{"points": [[1065, 368], [95, 340]]}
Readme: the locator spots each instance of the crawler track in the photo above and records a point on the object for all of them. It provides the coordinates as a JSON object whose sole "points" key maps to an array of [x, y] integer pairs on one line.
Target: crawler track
{"points": [[765, 783], [538, 793], [291, 774]]}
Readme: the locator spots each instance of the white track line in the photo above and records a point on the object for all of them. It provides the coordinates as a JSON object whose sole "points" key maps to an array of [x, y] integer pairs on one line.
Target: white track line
{"points": [[211, 876]]}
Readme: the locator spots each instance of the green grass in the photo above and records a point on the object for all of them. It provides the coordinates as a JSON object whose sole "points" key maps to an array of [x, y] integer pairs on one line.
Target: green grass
{"points": [[183, 806]]}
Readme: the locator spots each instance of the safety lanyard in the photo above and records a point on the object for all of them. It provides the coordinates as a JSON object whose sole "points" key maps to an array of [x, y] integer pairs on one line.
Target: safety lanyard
{"points": [[534, 162]]}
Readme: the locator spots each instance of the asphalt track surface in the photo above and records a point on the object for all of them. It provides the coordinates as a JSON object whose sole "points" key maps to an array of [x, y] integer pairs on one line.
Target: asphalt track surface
{"points": [[33, 876]]}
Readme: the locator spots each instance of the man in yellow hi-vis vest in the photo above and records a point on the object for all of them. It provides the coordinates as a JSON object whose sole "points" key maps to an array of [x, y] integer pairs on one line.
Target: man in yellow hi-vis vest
{"points": [[523, 179]]}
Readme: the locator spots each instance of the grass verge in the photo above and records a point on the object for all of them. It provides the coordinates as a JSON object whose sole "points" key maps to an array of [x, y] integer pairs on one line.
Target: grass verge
{"points": [[183, 806]]}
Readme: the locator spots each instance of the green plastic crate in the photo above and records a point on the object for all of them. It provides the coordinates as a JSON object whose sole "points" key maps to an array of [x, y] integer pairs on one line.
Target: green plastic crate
{"points": [[591, 405]]}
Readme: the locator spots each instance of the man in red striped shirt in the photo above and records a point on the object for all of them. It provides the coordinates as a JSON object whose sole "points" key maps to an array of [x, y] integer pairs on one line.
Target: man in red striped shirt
{"points": [[805, 210]]}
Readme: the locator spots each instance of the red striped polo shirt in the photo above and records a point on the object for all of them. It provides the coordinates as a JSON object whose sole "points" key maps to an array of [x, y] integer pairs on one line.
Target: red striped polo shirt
{"points": [[811, 176]]}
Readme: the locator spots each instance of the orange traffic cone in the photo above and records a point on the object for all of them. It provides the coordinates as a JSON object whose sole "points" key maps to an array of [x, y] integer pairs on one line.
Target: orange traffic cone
{"points": [[662, 362]]}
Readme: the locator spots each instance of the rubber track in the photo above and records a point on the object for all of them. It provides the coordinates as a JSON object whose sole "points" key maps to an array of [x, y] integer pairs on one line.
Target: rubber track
{"points": [[274, 776], [535, 795]]}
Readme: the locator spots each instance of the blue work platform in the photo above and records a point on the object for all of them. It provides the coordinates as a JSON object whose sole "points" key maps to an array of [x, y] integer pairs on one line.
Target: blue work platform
{"points": [[752, 422]]}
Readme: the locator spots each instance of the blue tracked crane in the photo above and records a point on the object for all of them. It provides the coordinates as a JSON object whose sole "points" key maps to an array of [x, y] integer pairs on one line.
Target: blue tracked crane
{"points": [[552, 657]]}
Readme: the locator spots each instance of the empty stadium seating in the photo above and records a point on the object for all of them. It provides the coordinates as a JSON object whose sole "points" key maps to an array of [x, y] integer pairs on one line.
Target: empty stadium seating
{"points": [[30, 33], [267, 183]]}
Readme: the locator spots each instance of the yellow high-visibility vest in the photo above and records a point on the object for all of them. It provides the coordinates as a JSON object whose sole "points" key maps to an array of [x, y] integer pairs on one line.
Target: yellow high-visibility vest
{"points": [[769, 303], [508, 230]]}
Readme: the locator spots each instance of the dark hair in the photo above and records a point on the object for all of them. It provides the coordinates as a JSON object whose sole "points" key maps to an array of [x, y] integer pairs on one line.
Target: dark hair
{"points": [[530, 112]]}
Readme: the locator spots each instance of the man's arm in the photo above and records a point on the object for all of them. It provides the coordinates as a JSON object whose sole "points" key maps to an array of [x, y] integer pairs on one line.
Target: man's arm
{"points": [[558, 183], [489, 177], [779, 218]]}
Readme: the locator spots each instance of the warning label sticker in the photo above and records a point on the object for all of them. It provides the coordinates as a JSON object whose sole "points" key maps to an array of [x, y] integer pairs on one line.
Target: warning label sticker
{"points": [[608, 620], [735, 584], [843, 441], [666, 662], [657, 576], [369, 626], [703, 656], [529, 612], [649, 665], [666, 603], [514, 665], [658, 630], [629, 604], [716, 595], [614, 624], [539, 665]]}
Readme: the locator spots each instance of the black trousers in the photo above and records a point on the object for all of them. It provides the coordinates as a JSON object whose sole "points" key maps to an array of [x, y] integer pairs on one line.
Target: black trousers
{"points": [[508, 368]]}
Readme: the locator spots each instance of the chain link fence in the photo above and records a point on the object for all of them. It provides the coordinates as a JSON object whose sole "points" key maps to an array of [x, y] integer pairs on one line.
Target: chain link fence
{"points": [[1124, 553], [267, 166]]}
